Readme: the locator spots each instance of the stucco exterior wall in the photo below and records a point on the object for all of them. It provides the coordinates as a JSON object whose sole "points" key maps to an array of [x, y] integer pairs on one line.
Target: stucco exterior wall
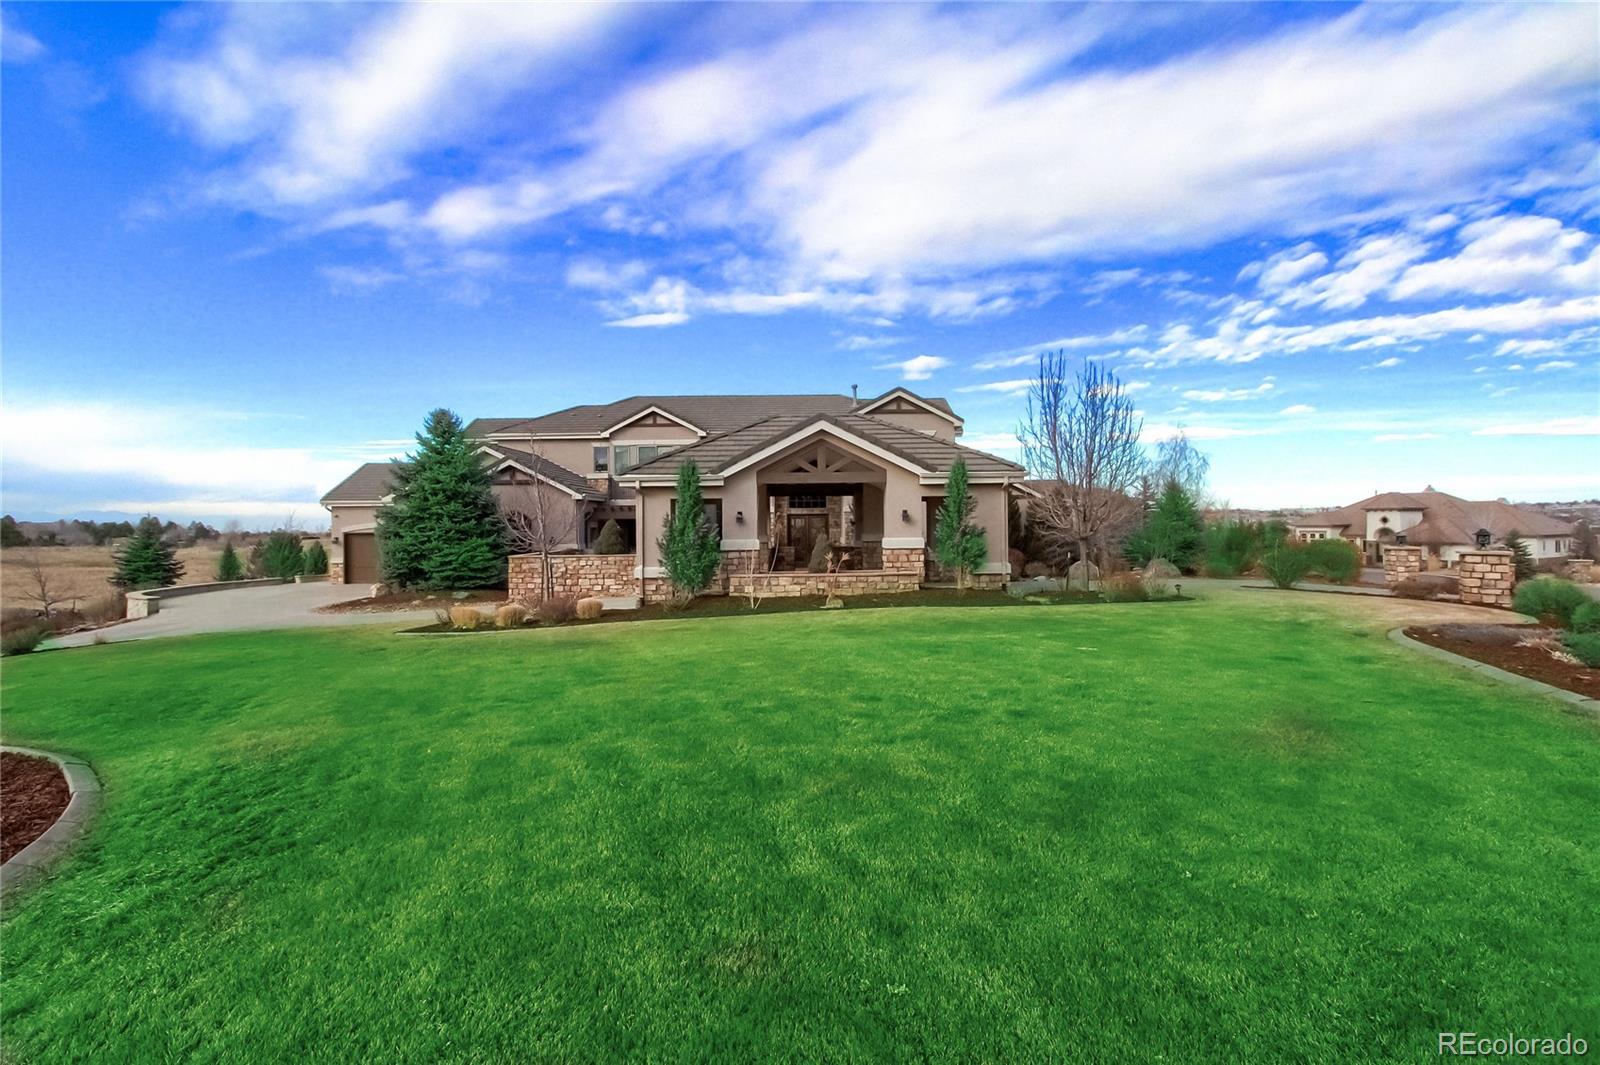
{"points": [[1399, 521], [561, 510], [343, 519], [921, 421]]}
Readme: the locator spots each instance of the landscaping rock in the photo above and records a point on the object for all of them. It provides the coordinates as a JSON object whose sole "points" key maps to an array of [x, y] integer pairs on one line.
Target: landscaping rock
{"points": [[1076, 571]]}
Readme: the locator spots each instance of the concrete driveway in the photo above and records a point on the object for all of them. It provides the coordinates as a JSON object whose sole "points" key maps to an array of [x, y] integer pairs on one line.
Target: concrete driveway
{"points": [[279, 606]]}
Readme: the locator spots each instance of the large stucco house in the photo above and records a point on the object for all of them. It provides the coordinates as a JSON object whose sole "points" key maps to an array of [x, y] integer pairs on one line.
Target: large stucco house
{"points": [[779, 472], [1441, 524]]}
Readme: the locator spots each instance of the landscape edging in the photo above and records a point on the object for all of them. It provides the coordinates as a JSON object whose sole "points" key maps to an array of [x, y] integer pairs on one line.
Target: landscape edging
{"points": [[1582, 702], [83, 789]]}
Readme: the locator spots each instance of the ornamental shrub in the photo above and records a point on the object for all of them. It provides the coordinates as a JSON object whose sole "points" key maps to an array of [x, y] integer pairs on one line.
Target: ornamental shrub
{"points": [[1336, 559], [467, 618], [1123, 588], [1586, 618], [1549, 597], [958, 544], [820, 554], [1584, 646], [146, 560], [691, 548], [590, 608], [229, 566], [510, 616], [1231, 548], [1285, 563], [610, 541], [558, 610], [21, 641], [315, 560], [279, 555]]}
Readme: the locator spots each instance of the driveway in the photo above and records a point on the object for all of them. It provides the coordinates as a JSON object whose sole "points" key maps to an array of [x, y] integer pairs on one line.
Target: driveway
{"points": [[277, 606]]}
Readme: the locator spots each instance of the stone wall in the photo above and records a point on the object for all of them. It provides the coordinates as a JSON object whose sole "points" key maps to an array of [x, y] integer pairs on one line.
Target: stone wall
{"points": [[1401, 562], [1581, 569], [335, 572], [1486, 577], [572, 576], [901, 572]]}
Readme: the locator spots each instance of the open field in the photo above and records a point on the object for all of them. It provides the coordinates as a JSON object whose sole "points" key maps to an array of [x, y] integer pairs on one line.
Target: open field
{"points": [[1244, 828], [83, 571]]}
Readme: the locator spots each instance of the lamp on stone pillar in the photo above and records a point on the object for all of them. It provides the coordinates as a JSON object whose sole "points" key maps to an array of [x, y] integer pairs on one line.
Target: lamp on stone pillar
{"points": [[1483, 537]]}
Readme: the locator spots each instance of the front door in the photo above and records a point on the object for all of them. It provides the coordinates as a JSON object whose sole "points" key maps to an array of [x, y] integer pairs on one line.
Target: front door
{"points": [[804, 532]]}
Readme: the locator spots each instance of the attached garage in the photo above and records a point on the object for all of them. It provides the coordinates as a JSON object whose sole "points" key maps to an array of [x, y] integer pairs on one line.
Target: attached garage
{"points": [[361, 558]]}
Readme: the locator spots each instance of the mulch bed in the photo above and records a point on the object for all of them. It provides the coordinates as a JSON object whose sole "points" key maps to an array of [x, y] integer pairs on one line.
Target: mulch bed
{"points": [[414, 601], [33, 793], [1497, 645]]}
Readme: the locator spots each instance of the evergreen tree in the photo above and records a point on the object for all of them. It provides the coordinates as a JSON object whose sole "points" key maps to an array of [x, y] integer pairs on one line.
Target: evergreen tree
{"points": [[146, 561], [229, 565], [691, 549], [1173, 531], [958, 544], [11, 534], [1521, 556], [279, 555], [444, 528], [610, 541], [315, 562]]}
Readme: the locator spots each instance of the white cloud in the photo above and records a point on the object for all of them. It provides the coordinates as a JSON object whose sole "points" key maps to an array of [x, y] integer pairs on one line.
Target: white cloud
{"points": [[1385, 364], [1583, 425], [1392, 438], [1369, 267], [1554, 364], [918, 368], [1526, 347], [17, 45], [1278, 272], [359, 278], [1155, 432], [859, 342], [1509, 254], [1299, 408], [1023, 356], [1010, 388], [1229, 395], [652, 320], [993, 442]]}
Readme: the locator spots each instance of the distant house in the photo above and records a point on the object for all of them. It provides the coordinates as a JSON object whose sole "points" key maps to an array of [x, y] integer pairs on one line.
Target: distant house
{"points": [[1442, 524]]}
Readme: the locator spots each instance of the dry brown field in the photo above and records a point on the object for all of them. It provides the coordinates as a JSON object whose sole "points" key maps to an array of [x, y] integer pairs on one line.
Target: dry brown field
{"points": [[83, 571]]}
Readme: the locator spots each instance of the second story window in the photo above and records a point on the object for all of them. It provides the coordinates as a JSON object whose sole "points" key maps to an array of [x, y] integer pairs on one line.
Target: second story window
{"points": [[602, 459]]}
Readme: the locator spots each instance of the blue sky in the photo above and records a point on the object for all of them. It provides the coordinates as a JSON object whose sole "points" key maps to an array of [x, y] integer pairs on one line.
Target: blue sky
{"points": [[1346, 248]]}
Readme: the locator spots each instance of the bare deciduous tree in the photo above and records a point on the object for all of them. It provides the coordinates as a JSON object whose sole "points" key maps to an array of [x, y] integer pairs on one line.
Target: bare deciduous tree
{"points": [[39, 586], [755, 573], [1081, 434], [538, 524]]}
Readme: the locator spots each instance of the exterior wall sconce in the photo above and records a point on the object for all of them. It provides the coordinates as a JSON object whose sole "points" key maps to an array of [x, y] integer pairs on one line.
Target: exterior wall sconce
{"points": [[905, 516], [738, 517], [1400, 538]]}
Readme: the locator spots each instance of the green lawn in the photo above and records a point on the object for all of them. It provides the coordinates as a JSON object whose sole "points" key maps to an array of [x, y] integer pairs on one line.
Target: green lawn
{"points": [[1242, 828]]}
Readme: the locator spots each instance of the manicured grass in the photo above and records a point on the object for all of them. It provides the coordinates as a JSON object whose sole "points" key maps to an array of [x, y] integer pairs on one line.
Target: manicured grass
{"points": [[1236, 829]]}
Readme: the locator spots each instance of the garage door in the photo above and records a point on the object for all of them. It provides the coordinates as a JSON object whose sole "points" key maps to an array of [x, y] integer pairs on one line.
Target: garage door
{"points": [[360, 558]]}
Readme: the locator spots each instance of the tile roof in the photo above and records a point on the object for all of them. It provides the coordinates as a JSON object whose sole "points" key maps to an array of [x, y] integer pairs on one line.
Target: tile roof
{"points": [[722, 450], [569, 479], [1447, 519], [713, 413], [370, 483]]}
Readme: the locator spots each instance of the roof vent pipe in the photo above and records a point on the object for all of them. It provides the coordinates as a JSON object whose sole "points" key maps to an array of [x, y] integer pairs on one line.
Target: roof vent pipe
{"points": [[855, 399]]}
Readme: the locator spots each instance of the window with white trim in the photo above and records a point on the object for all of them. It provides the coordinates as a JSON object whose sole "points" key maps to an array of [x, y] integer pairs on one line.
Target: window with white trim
{"points": [[602, 459]]}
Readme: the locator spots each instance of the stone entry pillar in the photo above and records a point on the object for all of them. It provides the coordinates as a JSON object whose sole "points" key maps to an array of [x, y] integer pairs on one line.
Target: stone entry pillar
{"points": [[1581, 569], [1400, 562], [1487, 577]]}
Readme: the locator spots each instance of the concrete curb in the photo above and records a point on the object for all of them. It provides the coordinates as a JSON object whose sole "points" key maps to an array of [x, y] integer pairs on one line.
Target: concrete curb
{"points": [[1581, 703], [84, 788]]}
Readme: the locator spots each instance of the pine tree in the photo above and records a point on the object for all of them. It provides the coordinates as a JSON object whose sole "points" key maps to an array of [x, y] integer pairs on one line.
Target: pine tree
{"points": [[958, 544], [315, 560], [444, 528], [146, 561], [1173, 531], [610, 541], [1521, 556], [229, 567], [691, 549], [11, 534], [279, 555]]}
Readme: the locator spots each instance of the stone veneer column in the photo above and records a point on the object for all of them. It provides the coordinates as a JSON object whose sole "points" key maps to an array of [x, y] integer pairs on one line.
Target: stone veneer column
{"points": [[1401, 562], [1581, 569], [336, 573], [1487, 577]]}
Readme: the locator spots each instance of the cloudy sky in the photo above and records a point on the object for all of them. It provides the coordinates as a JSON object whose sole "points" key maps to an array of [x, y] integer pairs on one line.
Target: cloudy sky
{"points": [[1346, 248]]}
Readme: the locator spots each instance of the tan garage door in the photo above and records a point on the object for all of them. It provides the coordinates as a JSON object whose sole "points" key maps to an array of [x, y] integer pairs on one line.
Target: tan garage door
{"points": [[360, 558]]}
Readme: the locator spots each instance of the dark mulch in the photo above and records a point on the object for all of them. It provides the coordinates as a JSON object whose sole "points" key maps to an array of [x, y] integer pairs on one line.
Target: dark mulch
{"points": [[415, 601], [1499, 646], [33, 793]]}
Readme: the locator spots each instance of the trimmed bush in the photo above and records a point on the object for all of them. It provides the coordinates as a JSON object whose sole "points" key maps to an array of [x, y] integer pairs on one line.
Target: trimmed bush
{"points": [[1230, 548], [1549, 597], [510, 616], [1285, 563], [1584, 646], [1586, 618], [1123, 588], [558, 610], [21, 641], [610, 541], [589, 609], [1335, 559], [314, 562], [1417, 588], [467, 618]]}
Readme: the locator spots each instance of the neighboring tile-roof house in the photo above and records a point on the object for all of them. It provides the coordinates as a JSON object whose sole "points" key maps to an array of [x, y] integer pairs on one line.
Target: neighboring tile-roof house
{"points": [[369, 484], [709, 413], [723, 451], [1447, 519]]}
